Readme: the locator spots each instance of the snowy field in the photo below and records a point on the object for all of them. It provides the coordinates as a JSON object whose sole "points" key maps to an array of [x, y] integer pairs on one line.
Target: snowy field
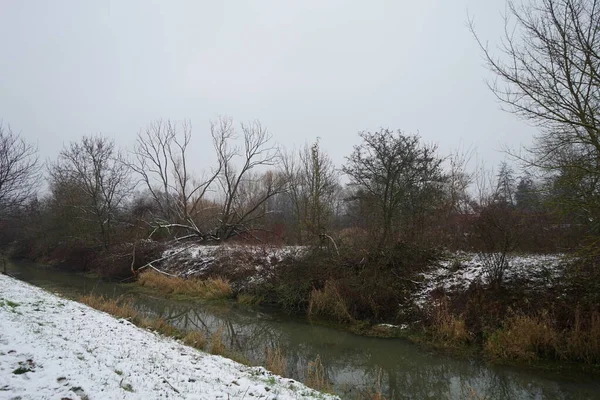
{"points": [[52, 348]]}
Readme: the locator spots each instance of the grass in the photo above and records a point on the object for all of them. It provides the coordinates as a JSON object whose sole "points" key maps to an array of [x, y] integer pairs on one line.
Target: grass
{"points": [[523, 338], [328, 302], [195, 339], [11, 303], [115, 307], [316, 377], [447, 328], [276, 361], [209, 289], [535, 337], [217, 346]]}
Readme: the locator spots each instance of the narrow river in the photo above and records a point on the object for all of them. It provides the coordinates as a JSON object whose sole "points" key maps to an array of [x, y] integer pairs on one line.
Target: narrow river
{"points": [[352, 363]]}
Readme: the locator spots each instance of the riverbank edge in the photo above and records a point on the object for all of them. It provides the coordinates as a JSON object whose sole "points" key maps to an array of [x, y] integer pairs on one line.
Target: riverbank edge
{"points": [[417, 335], [165, 336]]}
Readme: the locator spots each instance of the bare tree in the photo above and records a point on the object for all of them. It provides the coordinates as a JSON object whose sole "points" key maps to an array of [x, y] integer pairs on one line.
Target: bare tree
{"points": [[313, 186], [238, 193], [97, 169], [161, 163], [19, 170], [238, 165], [548, 72]]}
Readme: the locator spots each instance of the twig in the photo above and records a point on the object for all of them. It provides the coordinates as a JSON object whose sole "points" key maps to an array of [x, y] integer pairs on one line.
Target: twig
{"points": [[172, 387]]}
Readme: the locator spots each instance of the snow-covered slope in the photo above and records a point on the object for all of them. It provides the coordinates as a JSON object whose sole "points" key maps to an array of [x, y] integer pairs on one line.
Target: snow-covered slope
{"points": [[458, 271], [53, 348]]}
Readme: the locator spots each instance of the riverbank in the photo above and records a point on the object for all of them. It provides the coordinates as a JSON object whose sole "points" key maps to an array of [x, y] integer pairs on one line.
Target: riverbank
{"points": [[528, 309], [51, 347]]}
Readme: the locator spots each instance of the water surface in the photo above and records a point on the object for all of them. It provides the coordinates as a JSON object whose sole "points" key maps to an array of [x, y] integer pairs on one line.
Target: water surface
{"points": [[354, 364]]}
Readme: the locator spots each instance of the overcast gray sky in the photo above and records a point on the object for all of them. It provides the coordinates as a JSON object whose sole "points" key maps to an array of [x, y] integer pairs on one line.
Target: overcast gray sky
{"points": [[306, 69]]}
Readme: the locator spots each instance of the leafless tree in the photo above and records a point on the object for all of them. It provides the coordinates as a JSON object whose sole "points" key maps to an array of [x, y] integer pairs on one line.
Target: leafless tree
{"points": [[312, 190], [239, 165], [97, 169], [547, 71], [161, 163], [239, 194], [19, 170]]}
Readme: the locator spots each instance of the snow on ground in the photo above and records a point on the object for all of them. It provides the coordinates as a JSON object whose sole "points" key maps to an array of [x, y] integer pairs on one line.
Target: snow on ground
{"points": [[196, 259], [458, 271], [53, 348]]}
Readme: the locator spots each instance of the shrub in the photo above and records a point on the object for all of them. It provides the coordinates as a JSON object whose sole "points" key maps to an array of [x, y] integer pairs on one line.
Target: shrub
{"points": [[217, 346], [582, 343]]}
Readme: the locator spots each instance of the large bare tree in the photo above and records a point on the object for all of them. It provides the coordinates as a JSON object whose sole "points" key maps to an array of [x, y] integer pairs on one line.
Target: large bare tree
{"points": [[225, 201], [161, 161], [19, 170], [547, 70], [97, 169], [241, 169]]}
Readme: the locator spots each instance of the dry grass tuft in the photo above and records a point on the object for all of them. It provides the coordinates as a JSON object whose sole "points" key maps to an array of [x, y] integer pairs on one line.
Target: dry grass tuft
{"points": [[328, 302], [217, 346], [161, 326], [523, 338], [375, 393], [582, 342], [195, 339], [210, 289], [447, 327], [116, 307], [276, 361], [316, 377]]}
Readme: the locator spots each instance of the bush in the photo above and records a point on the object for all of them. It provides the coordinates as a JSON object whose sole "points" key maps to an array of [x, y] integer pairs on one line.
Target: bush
{"points": [[195, 339]]}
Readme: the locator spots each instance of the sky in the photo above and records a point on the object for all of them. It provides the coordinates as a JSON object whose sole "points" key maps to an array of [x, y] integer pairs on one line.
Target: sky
{"points": [[305, 69]]}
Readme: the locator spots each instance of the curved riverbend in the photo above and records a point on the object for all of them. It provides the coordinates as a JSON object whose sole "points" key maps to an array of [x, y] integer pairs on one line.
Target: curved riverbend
{"points": [[353, 363]]}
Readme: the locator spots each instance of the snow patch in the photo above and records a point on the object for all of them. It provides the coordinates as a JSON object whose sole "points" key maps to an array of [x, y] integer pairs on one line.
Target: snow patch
{"points": [[51, 347], [460, 270]]}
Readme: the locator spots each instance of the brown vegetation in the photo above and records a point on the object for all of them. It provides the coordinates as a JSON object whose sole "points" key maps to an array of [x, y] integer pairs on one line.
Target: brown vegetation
{"points": [[329, 303], [276, 361], [116, 307], [210, 289], [216, 343], [530, 338], [316, 376], [195, 339], [448, 328]]}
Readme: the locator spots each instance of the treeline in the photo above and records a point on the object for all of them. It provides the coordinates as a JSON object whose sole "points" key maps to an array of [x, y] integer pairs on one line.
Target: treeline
{"points": [[392, 189]]}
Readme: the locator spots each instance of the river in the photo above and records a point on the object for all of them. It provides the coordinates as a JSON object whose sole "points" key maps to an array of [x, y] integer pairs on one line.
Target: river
{"points": [[353, 363]]}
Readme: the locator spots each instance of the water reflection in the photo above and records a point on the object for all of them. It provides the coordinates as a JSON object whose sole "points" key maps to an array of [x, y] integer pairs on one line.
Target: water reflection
{"points": [[352, 363]]}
